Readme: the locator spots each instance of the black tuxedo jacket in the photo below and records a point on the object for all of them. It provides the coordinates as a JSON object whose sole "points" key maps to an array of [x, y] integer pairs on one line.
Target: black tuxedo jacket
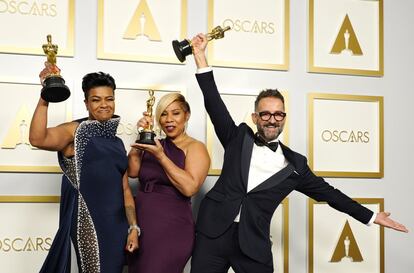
{"points": [[222, 203]]}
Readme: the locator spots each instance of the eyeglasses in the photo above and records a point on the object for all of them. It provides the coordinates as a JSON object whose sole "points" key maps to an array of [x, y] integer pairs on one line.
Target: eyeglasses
{"points": [[266, 115]]}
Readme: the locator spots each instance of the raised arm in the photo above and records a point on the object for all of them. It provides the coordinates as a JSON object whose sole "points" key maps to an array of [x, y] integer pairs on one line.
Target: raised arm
{"points": [[51, 139], [54, 138], [224, 125], [199, 45]]}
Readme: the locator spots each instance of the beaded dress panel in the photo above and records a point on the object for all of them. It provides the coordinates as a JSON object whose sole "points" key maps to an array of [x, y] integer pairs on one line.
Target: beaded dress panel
{"points": [[93, 180]]}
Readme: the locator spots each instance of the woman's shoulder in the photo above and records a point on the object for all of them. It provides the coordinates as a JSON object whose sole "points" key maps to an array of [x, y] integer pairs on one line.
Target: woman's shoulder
{"points": [[70, 126], [191, 145], [195, 144], [197, 150]]}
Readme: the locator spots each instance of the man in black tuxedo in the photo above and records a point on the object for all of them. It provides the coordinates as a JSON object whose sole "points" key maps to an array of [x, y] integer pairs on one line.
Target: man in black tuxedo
{"points": [[233, 224]]}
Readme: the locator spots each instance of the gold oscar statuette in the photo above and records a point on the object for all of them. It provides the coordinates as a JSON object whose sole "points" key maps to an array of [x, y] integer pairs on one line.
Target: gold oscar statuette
{"points": [[183, 48], [147, 135], [54, 88]]}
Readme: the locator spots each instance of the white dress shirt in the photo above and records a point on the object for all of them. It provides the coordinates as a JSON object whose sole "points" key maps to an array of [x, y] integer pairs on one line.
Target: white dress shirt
{"points": [[263, 164]]}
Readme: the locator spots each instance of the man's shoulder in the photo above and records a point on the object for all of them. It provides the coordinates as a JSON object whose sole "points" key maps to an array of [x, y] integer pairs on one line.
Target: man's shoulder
{"points": [[291, 154], [244, 128]]}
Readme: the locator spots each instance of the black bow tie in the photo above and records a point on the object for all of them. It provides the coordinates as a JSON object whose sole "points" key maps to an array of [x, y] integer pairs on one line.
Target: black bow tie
{"points": [[259, 141]]}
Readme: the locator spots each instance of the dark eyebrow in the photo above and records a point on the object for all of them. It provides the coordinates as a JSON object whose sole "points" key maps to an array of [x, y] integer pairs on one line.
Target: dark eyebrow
{"points": [[99, 97]]}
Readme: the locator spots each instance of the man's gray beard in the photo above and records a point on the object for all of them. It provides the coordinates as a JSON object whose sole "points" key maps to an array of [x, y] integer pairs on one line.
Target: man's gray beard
{"points": [[261, 132]]}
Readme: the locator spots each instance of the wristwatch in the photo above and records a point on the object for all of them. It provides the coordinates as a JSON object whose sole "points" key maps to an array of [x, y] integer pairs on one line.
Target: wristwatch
{"points": [[131, 227]]}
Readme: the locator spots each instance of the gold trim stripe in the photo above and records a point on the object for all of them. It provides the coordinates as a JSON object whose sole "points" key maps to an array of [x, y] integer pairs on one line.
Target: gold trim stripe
{"points": [[29, 199]]}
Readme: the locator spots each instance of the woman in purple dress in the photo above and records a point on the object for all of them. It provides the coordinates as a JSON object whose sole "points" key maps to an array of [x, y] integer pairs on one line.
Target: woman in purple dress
{"points": [[169, 173]]}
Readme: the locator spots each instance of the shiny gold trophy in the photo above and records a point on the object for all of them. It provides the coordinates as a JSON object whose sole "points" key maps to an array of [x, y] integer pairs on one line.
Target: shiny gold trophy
{"points": [[183, 48], [147, 135], [54, 88]]}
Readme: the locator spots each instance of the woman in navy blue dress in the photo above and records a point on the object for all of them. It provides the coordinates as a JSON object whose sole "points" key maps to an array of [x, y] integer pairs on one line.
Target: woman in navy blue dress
{"points": [[169, 173], [97, 208]]}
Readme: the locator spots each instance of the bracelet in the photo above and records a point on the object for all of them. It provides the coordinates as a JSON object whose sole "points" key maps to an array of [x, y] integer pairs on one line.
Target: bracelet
{"points": [[131, 227]]}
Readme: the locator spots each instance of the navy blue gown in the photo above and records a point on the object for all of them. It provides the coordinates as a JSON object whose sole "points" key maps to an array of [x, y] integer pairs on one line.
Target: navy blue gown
{"points": [[92, 212]]}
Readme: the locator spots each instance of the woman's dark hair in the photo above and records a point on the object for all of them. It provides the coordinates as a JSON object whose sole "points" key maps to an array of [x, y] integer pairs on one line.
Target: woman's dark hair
{"points": [[97, 79]]}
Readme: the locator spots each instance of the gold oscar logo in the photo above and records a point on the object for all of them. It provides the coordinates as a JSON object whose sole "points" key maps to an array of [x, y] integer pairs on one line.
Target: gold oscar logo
{"points": [[142, 24], [251, 26], [18, 134], [346, 249], [346, 41], [345, 136], [22, 244], [34, 8]]}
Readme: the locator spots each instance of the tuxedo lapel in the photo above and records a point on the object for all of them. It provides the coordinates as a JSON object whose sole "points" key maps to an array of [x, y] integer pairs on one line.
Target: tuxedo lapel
{"points": [[246, 155], [279, 176], [287, 153], [275, 179]]}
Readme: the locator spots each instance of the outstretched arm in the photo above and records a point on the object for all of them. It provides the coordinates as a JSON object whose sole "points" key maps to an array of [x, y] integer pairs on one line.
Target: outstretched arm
{"points": [[384, 220], [318, 189]]}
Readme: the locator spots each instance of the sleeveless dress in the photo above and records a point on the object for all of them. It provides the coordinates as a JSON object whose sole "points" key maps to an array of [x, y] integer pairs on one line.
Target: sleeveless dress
{"points": [[92, 211], [165, 218]]}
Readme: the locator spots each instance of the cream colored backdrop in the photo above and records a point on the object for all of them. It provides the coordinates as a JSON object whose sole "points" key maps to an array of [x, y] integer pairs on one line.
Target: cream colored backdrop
{"points": [[396, 187]]}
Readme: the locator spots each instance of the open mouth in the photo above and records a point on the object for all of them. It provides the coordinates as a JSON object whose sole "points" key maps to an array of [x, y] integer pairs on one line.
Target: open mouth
{"points": [[169, 128], [271, 126]]}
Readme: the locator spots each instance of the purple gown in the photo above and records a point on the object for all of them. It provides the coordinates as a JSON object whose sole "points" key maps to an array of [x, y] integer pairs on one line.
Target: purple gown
{"points": [[165, 218]]}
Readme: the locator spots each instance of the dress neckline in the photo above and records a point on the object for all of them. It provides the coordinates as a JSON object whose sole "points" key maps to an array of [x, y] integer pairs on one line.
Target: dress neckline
{"points": [[167, 139]]}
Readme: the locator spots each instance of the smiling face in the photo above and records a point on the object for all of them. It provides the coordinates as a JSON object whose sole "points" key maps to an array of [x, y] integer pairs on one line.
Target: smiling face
{"points": [[173, 119], [271, 128], [100, 103]]}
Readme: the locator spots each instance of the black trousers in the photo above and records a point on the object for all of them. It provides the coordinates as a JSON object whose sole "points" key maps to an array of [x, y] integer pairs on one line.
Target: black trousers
{"points": [[218, 254]]}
